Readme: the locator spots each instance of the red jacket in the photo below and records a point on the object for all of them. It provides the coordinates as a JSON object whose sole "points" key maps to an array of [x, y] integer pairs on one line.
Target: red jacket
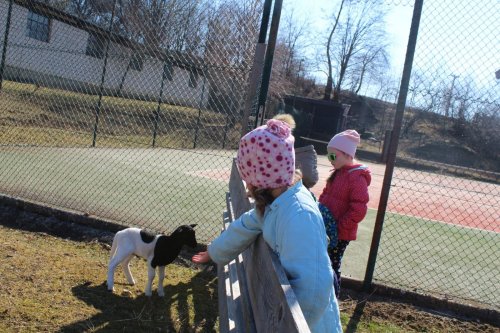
{"points": [[347, 197]]}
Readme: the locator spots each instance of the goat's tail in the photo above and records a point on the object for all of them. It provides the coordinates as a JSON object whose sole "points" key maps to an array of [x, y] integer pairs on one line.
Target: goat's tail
{"points": [[113, 247]]}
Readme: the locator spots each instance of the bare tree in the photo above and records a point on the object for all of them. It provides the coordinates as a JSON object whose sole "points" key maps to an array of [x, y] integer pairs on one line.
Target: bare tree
{"points": [[291, 39], [483, 132], [371, 62], [232, 32], [364, 24], [58, 4], [329, 81], [166, 24], [355, 46], [465, 96], [82, 9], [289, 64]]}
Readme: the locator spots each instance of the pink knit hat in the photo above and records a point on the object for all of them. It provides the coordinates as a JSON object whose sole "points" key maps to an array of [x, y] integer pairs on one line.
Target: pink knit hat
{"points": [[345, 141], [266, 158]]}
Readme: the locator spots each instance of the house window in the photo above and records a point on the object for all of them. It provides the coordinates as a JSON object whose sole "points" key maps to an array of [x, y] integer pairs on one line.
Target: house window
{"points": [[193, 78], [168, 69], [136, 62], [95, 46], [38, 27]]}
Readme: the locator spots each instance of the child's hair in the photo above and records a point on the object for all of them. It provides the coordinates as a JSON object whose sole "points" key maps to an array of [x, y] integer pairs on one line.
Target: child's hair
{"points": [[287, 118], [332, 176], [263, 196]]}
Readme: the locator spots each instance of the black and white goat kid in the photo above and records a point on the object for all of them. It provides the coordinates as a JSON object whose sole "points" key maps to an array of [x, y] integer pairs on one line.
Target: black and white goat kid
{"points": [[159, 251]]}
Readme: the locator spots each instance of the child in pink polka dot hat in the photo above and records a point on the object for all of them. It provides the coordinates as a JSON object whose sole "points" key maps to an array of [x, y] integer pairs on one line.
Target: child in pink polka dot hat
{"points": [[288, 218], [266, 158]]}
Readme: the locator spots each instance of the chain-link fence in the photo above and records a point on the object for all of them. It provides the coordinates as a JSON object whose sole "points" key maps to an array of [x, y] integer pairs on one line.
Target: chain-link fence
{"points": [[88, 90], [441, 228], [131, 110]]}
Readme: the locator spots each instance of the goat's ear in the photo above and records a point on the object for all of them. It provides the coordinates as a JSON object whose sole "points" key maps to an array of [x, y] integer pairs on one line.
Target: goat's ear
{"points": [[193, 225]]}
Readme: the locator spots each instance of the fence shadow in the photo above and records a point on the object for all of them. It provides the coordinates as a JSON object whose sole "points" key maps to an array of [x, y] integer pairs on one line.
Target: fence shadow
{"points": [[352, 325]]}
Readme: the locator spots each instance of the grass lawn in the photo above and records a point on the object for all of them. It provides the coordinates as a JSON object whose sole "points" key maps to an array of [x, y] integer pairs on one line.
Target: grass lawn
{"points": [[429, 256], [32, 115], [154, 188], [356, 255], [440, 257], [64, 291]]}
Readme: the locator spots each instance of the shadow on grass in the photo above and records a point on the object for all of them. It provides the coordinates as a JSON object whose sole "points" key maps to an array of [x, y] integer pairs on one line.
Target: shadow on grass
{"points": [[355, 319], [122, 313]]}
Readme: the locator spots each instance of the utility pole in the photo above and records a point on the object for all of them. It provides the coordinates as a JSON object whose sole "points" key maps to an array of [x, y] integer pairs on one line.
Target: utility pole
{"points": [[5, 43], [450, 94]]}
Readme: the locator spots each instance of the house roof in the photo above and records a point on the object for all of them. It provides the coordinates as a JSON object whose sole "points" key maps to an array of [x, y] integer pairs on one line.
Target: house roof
{"points": [[311, 101], [179, 59]]}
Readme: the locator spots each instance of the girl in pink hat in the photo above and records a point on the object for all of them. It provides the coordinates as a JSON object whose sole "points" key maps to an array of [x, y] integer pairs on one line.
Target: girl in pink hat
{"points": [[289, 220], [345, 196]]}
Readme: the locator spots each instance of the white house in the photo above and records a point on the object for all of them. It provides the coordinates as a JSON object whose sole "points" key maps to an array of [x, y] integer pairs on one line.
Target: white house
{"points": [[51, 48]]}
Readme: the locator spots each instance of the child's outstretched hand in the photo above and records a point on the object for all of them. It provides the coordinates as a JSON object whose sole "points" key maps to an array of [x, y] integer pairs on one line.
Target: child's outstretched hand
{"points": [[201, 258]]}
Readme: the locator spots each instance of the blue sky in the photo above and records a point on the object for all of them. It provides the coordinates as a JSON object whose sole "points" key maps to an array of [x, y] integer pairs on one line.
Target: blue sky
{"points": [[316, 13], [456, 37]]}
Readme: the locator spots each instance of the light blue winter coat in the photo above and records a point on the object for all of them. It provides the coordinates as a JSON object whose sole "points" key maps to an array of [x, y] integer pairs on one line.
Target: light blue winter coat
{"points": [[293, 227]]}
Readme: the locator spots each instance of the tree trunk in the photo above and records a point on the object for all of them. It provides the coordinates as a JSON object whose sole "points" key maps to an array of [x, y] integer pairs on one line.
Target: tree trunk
{"points": [[329, 81], [328, 89], [361, 77]]}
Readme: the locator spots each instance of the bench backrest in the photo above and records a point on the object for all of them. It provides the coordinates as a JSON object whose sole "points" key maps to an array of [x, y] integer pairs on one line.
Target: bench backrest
{"points": [[254, 292]]}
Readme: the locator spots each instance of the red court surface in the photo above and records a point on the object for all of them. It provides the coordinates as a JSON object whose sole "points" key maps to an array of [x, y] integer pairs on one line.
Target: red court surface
{"points": [[447, 199]]}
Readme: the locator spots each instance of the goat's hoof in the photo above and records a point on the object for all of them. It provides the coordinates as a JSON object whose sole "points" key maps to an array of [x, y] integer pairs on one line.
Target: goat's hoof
{"points": [[161, 294], [148, 294], [127, 293]]}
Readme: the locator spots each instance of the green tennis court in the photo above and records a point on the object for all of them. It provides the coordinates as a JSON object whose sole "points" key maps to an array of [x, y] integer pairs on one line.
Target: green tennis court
{"points": [[162, 188], [154, 188]]}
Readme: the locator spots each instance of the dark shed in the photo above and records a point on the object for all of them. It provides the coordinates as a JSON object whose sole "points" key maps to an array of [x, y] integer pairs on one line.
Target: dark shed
{"points": [[316, 120]]}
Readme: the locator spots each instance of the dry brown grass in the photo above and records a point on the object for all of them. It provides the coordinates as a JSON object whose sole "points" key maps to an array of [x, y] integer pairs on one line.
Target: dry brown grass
{"points": [[31, 115], [51, 284]]}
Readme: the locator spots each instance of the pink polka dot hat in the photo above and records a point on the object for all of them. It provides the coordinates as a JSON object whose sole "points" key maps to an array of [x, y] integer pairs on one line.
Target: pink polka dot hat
{"points": [[266, 158]]}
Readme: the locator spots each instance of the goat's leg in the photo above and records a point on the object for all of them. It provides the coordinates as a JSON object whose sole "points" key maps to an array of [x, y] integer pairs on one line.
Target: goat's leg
{"points": [[120, 255], [126, 269], [151, 276], [161, 276]]}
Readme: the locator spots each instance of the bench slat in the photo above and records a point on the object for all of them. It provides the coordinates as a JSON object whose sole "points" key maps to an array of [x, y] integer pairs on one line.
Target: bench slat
{"points": [[238, 193], [235, 313], [223, 292], [275, 306]]}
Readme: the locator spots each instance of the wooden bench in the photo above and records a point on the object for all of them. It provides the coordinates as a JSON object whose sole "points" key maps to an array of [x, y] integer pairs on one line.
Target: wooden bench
{"points": [[254, 292]]}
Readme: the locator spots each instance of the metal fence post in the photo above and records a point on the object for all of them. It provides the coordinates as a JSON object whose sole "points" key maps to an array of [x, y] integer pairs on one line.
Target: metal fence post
{"points": [[391, 157], [268, 64], [256, 72], [198, 121], [226, 128], [385, 148], [157, 113], [6, 39], [264, 23], [103, 76]]}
